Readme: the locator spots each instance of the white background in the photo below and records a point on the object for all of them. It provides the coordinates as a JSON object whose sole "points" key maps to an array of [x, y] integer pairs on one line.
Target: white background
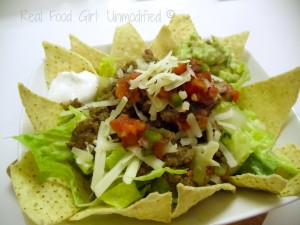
{"points": [[274, 41]]}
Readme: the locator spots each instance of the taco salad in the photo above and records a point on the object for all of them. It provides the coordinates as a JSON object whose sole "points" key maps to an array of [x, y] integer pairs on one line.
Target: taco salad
{"points": [[150, 128]]}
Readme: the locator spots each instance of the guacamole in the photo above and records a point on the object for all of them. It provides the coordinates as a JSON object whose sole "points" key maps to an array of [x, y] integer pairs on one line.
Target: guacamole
{"points": [[220, 59]]}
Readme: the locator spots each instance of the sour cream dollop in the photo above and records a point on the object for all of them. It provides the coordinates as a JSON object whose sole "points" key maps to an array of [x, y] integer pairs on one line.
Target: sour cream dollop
{"points": [[70, 85]]}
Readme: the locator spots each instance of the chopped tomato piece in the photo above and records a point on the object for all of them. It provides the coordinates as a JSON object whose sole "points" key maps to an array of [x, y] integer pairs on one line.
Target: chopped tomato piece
{"points": [[128, 130], [234, 94], [202, 121], [231, 94], [201, 88], [195, 65], [204, 75], [180, 69], [158, 147], [194, 86], [164, 94], [182, 124], [123, 88]]}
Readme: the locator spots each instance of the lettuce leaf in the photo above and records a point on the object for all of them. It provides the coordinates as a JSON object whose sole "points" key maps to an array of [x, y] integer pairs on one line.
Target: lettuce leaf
{"points": [[107, 67], [121, 195], [243, 134], [159, 172], [114, 157], [259, 164], [54, 159]]}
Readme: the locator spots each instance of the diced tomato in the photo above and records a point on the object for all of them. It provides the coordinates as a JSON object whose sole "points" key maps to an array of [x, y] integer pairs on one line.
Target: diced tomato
{"points": [[158, 147], [198, 90], [180, 69], [128, 130], [202, 121], [182, 124], [210, 170], [164, 94], [213, 92], [194, 86], [231, 94], [123, 89], [204, 75], [195, 65], [234, 94]]}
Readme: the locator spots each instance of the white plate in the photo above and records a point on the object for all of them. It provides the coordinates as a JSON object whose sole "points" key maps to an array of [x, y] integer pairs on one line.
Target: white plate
{"points": [[222, 207]]}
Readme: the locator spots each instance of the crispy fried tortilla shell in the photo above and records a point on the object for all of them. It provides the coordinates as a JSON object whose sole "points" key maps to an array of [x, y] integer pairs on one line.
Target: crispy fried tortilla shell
{"points": [[90, 53], [59, 59], [49, 202], [43, 113], [272, 99]]}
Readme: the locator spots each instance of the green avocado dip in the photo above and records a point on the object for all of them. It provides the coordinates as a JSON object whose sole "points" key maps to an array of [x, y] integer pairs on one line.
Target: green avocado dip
{"points": [[219, 59]]}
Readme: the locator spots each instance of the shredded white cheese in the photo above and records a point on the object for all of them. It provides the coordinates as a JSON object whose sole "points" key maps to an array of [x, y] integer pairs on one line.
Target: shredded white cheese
{"points": [[182, 94], [195, 128], [227, 154], [158, 75]]}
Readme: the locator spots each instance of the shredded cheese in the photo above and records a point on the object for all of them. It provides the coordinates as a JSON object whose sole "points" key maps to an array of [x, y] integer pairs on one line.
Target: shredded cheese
{"points": [[227, 154], [159, 75], [195, 128]]}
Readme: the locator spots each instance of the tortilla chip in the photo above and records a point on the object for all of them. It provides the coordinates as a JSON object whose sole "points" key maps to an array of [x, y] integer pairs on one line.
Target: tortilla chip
{"points": [[272, 99], [163, 43], [59, 59], [42, 112], [292, 187], [47, 203], [127, 44], [236, 42], [92, 54], [182, 28], [272, 183], [190, 196], [290, 153], [155, 207]]}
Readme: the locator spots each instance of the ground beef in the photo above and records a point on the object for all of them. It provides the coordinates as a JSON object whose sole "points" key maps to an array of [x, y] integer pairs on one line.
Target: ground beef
{"points": [[174, 179], [84, 133], [132, 65], [144, 103], [169, 115], [181, 158], [129, 110], [149, 57], [144, 169], [75, 103], [99, 113], [167, 119]]}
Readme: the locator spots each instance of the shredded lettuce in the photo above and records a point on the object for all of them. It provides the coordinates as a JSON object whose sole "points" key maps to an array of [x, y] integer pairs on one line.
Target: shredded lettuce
{"points": [[114, 157], [258, 164], [107, 67], [242, 133], [159, 172], [55, 160], [121, 195]]}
